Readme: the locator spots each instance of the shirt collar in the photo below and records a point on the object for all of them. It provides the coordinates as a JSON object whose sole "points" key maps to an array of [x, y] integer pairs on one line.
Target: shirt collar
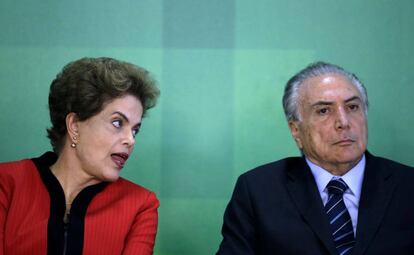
{"points": [[353, 178]]}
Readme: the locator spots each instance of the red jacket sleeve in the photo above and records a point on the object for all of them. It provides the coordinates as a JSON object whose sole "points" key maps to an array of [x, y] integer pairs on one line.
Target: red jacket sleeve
{"points": [[4, 207], [141, 238]]}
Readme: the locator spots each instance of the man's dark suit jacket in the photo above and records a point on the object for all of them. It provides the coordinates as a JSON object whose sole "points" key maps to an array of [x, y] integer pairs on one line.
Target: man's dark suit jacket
{"points": [[277, 209]]}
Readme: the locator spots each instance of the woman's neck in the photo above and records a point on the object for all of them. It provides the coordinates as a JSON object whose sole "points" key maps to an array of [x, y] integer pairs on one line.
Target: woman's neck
{"points": [[71, 176]]}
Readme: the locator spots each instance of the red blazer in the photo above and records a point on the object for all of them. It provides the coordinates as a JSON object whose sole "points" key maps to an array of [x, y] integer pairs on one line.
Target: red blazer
{"points": [[107, 218]]}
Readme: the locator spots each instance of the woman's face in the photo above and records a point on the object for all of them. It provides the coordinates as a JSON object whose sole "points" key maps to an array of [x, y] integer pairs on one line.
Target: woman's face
{"points": [[106, 140]]}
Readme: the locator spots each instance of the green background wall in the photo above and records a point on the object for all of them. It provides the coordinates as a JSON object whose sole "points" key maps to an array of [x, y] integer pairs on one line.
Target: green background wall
{"points": [[222, 66]]}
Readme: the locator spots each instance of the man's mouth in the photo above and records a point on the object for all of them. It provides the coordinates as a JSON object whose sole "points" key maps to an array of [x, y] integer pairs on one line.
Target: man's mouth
{"points": [[344, 142], [119, 159]]}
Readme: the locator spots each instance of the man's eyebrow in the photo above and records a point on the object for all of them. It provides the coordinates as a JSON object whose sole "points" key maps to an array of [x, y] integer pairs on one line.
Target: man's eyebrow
{"points": [[319, 103], [126, 118], [352, 99]]}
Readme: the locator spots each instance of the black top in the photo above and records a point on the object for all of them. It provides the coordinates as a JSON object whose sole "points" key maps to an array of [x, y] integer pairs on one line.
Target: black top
{"points": [[64, 238]]}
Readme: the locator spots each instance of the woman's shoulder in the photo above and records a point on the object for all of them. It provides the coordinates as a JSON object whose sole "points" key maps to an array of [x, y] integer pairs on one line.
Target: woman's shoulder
{"points": [[123, 183], [126, 196], [19, 176], [17, 168], [125, 189]]}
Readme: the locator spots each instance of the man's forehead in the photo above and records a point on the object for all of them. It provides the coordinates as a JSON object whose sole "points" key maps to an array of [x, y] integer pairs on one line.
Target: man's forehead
{"points": [[329, 87]]}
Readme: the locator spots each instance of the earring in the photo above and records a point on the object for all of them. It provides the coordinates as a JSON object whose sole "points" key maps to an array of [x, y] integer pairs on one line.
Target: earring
{"points": [[73, 144]]}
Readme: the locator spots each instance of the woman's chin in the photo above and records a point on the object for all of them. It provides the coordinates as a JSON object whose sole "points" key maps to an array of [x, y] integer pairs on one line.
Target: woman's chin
{"points": [[110, 177]]}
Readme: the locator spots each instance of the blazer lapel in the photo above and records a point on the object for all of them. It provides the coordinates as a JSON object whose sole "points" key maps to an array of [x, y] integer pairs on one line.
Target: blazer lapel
{"points": [[377, 189], [304, 192]]}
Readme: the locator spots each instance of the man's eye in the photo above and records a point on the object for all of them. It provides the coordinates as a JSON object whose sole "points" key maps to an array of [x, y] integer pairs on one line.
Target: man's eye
{"points": [[322, 111], [353, 107], [117, 123]]}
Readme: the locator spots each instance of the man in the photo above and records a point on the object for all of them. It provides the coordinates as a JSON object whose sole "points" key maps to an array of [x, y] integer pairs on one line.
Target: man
{"points": [[337, 198]]}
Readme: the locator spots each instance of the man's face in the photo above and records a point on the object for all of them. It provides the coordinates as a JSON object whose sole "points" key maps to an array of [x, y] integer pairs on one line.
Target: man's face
{"points": [[332, 132]]}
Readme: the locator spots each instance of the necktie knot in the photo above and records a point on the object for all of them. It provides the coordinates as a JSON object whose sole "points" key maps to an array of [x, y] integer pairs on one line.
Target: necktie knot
{"points": [[337, 187]]}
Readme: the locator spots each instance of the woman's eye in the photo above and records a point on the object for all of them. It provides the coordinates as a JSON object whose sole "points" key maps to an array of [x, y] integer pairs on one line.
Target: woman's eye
{"points": [[135, 132], [117, 123]]}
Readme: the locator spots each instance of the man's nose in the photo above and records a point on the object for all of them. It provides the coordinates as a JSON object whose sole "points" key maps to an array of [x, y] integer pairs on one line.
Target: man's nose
{"points": [[342, 119]]}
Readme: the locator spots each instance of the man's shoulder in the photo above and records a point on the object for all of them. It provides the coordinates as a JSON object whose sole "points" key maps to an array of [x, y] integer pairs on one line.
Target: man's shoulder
{"points": [[270, 178], [391, 165], [275, 168], [391, 162]]}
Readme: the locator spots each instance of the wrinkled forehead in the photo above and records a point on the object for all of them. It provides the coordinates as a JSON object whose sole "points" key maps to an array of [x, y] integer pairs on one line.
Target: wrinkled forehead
{"points": [[329, 87]]}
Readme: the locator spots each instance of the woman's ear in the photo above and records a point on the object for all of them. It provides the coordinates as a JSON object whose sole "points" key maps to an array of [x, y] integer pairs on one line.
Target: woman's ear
{"points": [[72, 125]]}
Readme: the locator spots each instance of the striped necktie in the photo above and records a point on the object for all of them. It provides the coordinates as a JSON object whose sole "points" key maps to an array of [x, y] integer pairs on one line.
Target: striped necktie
{"points": [[339, 219]]}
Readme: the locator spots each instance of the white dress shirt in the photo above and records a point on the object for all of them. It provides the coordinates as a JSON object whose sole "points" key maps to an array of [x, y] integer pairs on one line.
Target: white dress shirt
{"points": [[353, 178]]}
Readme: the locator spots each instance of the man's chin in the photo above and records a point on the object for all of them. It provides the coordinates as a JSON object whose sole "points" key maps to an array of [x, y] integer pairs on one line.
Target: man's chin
{"points": [[350, 159]]}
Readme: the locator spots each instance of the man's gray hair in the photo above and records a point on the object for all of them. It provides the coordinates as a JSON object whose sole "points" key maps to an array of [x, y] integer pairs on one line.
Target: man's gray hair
{"points": [[291, 95]]}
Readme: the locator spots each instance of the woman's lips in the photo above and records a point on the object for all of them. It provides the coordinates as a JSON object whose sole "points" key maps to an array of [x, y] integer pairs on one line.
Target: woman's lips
{"points": [[119, 159]]}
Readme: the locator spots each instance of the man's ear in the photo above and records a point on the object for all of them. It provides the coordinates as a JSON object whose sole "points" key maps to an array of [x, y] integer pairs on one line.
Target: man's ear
{"points": [[295, 131], [72, 125]]}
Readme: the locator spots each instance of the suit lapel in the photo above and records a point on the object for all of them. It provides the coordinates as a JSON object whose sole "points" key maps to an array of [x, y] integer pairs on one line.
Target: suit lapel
{"points": [[377, 189], [304, 192]]}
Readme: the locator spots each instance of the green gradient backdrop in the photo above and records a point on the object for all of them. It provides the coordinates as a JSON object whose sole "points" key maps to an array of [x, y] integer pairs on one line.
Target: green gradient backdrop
{"points": [[221, 65]]}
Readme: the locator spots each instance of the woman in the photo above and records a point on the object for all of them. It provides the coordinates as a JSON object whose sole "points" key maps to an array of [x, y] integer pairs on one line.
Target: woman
{"points": [[72, 200]]}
